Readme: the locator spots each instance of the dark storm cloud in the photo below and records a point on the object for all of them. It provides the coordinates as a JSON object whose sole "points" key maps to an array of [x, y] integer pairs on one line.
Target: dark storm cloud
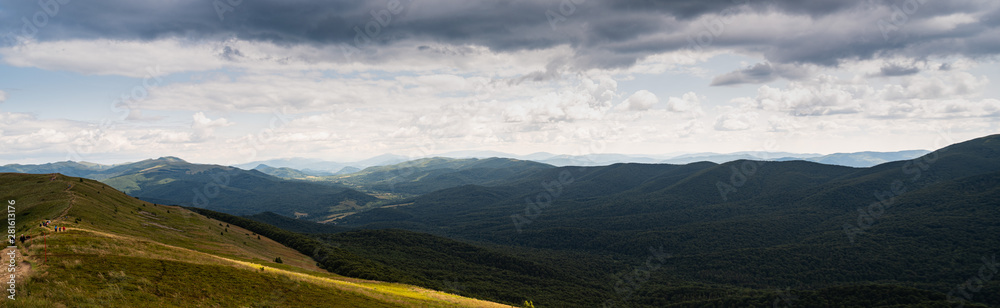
{"points": [[892, 70], [761, 73], [603, 34]]}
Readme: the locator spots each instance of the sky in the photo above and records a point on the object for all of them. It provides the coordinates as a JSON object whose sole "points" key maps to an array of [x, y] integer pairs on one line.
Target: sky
{"points": [[234, 81]]}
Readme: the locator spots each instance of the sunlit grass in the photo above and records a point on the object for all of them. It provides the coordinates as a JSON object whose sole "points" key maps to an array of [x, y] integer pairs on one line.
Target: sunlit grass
{"points": [[120, 251]]}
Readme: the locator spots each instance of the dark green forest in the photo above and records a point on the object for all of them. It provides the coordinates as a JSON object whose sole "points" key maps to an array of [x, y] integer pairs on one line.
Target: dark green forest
{"points": [[917, 233]]}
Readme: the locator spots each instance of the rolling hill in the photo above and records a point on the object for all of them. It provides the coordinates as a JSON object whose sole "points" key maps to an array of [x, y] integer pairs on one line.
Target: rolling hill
{"points": [[924, 223], [69, 168], [286, 173], [118, 251], [318, 166], [429, 174], [173, 181], [740, 233], [861, 159]]}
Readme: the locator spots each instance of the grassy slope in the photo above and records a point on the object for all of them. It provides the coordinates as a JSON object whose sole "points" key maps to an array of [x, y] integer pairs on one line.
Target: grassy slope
{"points": [[120, 251]]}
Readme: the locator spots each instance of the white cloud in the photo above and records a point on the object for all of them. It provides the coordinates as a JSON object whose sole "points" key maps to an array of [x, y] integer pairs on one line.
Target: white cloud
{"points": [[589, 100], [783, 124], [941, 85], [928, 94], [166, 56], [203, 126], [3, 96], [736, 121], [464, 97], [112, 57], [641, 100], [808, 100], [689, 103], [203, 122]]}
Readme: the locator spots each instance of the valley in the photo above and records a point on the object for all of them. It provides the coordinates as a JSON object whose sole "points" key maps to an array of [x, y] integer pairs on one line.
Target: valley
{"points": [[744, 233]]}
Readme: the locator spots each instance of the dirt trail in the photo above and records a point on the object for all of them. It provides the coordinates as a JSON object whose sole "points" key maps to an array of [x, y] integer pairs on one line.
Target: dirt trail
{"points": [[72, 197]]}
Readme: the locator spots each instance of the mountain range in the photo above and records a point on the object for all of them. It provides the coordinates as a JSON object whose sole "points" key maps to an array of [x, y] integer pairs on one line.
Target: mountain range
{"points": [[317, 167], [739, 233], [171, 180], [756, 224]]}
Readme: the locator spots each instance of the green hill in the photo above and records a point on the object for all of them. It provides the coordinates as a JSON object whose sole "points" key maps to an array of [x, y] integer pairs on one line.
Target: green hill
{"points": [[284, 172], [69, 168], [924, 224], [118, 251], [171, 180], [429, 174], [231, 190]]}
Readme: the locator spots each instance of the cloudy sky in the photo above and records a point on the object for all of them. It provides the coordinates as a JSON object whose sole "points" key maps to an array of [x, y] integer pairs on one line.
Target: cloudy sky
{"points": [[232, 81]]}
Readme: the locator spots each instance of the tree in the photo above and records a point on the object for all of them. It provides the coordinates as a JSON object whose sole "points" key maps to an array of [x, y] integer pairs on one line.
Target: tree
{"points": [[278, 260]]}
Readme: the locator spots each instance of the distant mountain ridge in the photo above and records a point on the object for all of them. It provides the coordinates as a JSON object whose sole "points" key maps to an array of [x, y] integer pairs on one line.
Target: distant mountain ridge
{"points": [[429, 174], [758, 224], [863, 159], [319, 167], [173, 181], [856, 159]]}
